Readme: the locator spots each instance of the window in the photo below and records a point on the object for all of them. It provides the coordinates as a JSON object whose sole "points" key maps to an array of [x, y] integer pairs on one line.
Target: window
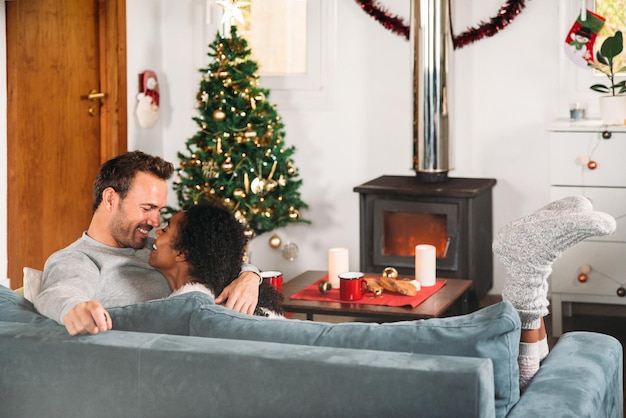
{"points": [[293, 43]]}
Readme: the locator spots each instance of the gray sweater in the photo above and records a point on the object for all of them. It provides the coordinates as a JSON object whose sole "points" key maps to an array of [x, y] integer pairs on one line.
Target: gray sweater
{"points": [[89, 270]]}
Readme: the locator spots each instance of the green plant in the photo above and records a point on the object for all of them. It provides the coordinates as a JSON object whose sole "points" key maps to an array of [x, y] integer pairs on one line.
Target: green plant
{"points": [[611, 48]]}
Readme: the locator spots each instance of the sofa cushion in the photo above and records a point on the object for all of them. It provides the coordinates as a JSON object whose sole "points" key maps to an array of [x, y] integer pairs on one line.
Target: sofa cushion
{"points": [[32, 283], [492, 332], [162, 316], [15, 308]]}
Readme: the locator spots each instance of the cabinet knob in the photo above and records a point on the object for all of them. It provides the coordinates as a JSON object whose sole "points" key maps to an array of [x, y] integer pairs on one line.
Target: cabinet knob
{"points": [[606, 135], [592, 165], [621, 292]]}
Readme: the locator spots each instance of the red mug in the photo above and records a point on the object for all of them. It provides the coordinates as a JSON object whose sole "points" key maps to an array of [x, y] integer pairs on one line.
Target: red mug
{"points": [[275, 278], [351, 286]]}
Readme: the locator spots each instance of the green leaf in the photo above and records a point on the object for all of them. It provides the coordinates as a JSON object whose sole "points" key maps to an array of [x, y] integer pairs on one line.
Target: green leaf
{"points": [[612, 46], [600, 88]]}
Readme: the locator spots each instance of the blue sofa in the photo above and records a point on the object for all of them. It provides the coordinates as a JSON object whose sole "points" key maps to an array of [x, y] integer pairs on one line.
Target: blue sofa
{"points": [[187, 357]]}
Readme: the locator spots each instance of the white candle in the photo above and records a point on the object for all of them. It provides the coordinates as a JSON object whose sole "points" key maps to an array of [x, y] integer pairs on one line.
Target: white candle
{"points": [[426, 264], [338, 262]]}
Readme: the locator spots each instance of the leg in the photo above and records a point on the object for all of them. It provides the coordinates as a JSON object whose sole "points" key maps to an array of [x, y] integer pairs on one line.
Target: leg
{"points": [[527, 247]]}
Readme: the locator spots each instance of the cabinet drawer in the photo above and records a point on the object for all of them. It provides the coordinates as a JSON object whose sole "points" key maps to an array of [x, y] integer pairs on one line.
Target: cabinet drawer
{"points": [[608, 269], [609, 200], [570, 150]]}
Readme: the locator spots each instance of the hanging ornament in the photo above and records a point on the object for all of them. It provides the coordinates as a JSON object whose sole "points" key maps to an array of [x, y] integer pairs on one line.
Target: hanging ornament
{"points": [[275, 241], [258, 186], [268, 212], [293, 213], [291, 169], [210, 169], [239, 193], [219, 115], [228, 165], [246, 183], [270, 186], [248, 232], [290, 251]]}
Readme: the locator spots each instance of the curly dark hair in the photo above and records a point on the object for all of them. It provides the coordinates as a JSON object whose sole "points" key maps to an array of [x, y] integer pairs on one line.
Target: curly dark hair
{"points": [[213, 242], [119, 173]]}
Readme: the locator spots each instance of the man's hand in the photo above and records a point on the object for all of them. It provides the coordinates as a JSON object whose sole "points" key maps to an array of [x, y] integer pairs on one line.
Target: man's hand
{"points": [[87, 318], [242, 295]]}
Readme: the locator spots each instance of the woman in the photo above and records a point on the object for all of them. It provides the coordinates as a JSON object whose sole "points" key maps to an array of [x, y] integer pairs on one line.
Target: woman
{"points": [[202, 249]]}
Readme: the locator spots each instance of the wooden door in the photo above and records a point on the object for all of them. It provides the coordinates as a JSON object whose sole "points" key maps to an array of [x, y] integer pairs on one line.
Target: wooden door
{"points": [[58, 51]]}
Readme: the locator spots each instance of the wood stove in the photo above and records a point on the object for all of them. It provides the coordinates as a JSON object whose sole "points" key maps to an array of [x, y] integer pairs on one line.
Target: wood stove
{"points": [[398, 212]]}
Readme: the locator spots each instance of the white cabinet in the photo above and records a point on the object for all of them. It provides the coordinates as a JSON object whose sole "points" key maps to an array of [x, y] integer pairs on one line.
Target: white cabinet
{"points": [[589, 159]]}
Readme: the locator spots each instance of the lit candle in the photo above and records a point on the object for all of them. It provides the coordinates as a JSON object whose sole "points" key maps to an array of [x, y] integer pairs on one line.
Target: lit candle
{"points": [[425, 264], [338, 262]]}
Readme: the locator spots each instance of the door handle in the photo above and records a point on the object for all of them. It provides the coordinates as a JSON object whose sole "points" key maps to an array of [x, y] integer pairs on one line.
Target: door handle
{"points": [[94, 95]]}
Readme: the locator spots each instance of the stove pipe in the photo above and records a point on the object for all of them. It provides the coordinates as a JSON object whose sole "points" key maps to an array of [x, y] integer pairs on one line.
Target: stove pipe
{"points": [[431, 44]]}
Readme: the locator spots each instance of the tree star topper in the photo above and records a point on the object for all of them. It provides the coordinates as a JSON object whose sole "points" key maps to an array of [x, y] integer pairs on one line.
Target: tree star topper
{"points": [[232, 11]]}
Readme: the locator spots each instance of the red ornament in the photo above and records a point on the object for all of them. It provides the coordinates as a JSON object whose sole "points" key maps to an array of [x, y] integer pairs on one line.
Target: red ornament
{"points": [[592, 165], [582, 277], [508, 11]]}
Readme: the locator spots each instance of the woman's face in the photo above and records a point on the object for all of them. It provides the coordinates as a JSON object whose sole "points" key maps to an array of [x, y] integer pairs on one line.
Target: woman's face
{"points": [[163, 255]]}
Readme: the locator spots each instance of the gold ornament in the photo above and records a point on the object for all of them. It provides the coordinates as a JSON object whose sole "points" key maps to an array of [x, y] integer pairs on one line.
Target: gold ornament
{"points": [[271, 186], [239, 193], [268, 213], [246, 183], [258, 185], [291, 170], [210, 169], [293, 213], [390, 272], [228, 165], [275, 241], [219, 115], [248, 232], [324, 286]]}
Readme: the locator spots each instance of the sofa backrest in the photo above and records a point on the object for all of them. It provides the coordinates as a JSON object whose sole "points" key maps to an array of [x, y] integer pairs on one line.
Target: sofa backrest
{"points": [[46, 372]]}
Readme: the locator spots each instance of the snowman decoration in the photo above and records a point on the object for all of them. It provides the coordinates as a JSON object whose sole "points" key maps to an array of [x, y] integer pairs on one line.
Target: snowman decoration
{"points": [[147, 111]]}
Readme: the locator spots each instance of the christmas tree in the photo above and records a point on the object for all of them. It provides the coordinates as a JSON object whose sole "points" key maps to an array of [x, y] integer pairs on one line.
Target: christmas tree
{"points": [[238, 156]]}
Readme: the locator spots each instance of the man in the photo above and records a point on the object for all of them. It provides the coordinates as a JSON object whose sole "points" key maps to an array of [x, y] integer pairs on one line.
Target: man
{"points": [[108, 266]]}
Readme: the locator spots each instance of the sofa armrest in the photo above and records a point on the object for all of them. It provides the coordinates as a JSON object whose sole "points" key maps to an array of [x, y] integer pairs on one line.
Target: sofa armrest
{"points": [[581, 377]]}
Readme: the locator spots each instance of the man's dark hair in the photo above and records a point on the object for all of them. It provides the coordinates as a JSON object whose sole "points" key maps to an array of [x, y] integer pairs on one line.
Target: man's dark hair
{"points": [[119, 173], [214, 243]]}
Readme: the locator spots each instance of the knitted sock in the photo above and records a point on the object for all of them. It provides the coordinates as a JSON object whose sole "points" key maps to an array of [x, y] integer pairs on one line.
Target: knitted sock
{"points": [[528, 362], [529, 245]]}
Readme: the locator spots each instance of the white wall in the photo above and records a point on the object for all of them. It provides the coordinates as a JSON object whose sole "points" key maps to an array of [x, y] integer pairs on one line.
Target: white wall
{"points": [[506, 91]]}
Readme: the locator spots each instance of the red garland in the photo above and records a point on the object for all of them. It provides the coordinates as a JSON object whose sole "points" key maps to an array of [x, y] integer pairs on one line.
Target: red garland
{"points": [[393, 23], [505, 16]]}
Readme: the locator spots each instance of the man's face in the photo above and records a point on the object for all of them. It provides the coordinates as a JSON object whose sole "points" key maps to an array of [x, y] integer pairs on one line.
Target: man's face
{"points": [[139, 212]]}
